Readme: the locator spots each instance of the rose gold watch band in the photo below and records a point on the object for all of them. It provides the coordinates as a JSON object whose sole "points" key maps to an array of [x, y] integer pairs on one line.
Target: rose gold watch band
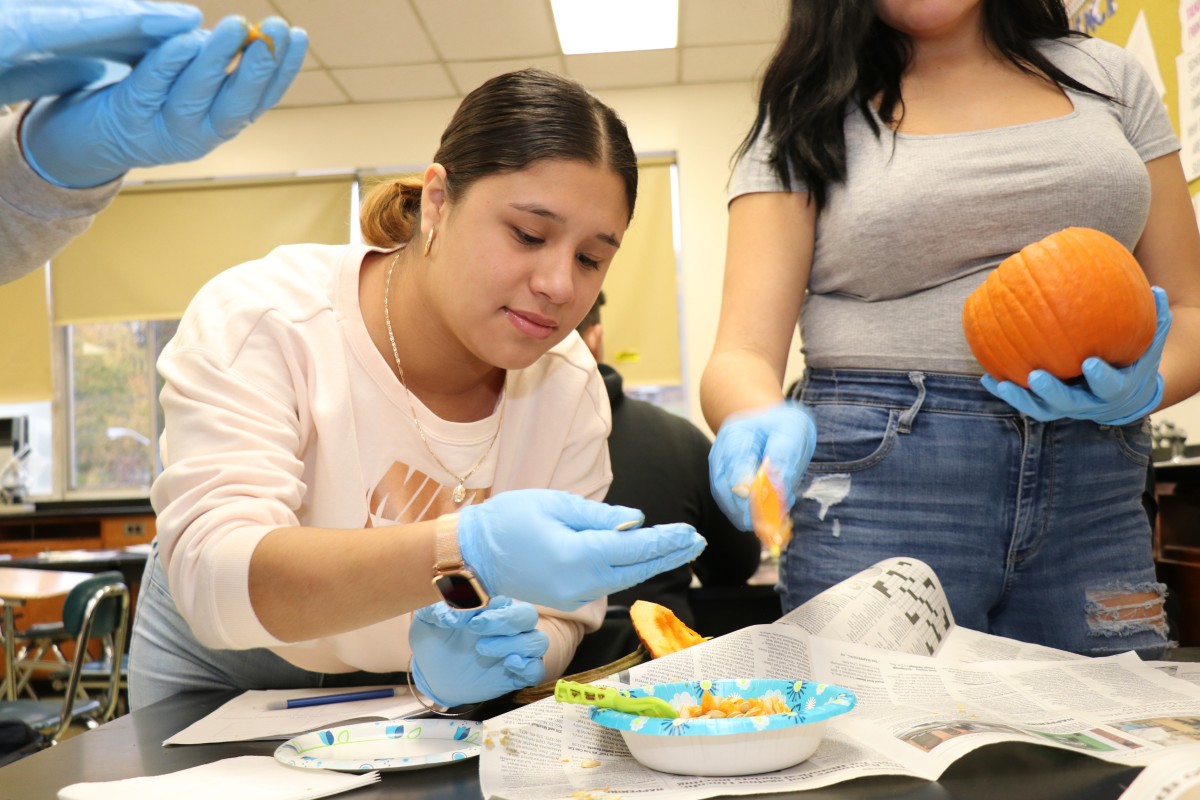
{"points": [[446, 555]]}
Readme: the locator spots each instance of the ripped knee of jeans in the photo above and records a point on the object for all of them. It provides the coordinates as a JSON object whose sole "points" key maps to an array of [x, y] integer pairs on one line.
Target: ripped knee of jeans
{"points": [[1118, 610]]}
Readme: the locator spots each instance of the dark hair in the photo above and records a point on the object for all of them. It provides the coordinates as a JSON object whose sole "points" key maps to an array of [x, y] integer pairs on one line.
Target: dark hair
{"points": [[593, 314], [837, 52], [505, 125]]}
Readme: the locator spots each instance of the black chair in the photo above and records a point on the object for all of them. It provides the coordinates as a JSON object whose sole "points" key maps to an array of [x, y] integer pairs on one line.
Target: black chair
{"points": [[96, 609]]}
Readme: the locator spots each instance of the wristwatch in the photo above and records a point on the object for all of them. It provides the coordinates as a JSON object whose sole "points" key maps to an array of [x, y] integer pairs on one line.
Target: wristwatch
{"points": [[453, 579]]}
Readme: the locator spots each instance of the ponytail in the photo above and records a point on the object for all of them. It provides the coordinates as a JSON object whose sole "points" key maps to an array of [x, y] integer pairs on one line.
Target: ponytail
{"points": [[391, 212]]}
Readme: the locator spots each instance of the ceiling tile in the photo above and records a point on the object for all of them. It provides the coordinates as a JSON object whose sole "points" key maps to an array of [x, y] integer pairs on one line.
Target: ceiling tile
{"points": [[315, 88], [387, 84], [387, 50], [360, 33], [623, 70], [703, 22], [216, 10], [734, 62], [474, 30], [469, 74]]}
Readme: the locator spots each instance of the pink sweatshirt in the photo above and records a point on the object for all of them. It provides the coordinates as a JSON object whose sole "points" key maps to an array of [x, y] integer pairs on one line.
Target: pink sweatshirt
{"points": [[280, 411]]}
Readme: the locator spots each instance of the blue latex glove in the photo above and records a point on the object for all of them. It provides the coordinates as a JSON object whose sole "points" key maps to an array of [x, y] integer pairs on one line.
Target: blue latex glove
{"points": [[784, 433], [560, 550], [1111, 396], [462, 657], [177, 104], [49, 47]]}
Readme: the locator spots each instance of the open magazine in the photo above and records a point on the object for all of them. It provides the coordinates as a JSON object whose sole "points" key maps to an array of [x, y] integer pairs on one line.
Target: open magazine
{"points": [[928, 692]]}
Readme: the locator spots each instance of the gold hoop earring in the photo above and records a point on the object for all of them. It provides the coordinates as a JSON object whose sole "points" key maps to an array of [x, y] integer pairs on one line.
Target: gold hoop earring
{"points": [[429, 242]]}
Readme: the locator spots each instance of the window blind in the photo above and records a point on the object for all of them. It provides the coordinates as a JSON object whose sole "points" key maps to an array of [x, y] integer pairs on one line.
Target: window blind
{"points": [[25, 374], [641, 309], [148, 253]]}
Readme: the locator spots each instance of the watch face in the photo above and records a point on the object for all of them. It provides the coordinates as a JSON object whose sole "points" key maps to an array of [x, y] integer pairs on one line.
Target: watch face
{"points": [[461, 591]]}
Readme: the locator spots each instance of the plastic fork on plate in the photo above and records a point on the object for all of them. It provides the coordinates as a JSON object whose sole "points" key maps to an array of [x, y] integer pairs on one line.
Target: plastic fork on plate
{"points": [[604, 697]]}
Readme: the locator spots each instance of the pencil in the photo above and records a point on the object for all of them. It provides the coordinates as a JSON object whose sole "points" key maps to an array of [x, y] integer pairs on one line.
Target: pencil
{"points": [[325, 699]]}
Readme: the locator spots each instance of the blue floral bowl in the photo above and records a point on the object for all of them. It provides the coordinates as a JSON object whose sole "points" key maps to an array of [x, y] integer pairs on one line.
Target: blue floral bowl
{"points": [[729, 746]]}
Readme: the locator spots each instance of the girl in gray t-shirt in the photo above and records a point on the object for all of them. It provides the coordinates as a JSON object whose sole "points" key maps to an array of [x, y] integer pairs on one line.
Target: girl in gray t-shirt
{"points": [[899, 154]]}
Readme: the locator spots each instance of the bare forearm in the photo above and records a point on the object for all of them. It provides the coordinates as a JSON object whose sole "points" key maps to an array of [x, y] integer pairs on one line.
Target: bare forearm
{"points": [[307, 583], [1180, 368], [737, 380]]}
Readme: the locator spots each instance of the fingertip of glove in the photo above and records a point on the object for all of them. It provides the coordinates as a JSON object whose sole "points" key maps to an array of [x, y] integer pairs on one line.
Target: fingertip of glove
{"points": [[299, 38], [228, 35], [683, 538], [1039, 380], [1093, 367]]}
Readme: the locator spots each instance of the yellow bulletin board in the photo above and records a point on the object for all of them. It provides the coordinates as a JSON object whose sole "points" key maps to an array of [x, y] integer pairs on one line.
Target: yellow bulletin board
{"points": [[1114, 21]]}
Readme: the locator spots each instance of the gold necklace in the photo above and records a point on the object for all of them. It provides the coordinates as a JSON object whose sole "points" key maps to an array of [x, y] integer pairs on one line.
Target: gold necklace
{"points": [[460, 491]]}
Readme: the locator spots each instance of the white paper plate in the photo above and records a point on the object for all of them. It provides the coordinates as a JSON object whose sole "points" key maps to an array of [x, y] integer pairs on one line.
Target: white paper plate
{"points": [[384, 746]]}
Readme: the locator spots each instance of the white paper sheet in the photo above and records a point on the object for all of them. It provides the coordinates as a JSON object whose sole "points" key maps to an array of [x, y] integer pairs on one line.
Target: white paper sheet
{"points": [[250, 715], [1141, 46], [240, 778]]}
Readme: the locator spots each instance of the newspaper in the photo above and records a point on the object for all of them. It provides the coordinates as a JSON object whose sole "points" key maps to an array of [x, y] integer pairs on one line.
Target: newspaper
{"points": [[1175, 776], [928, 692]]}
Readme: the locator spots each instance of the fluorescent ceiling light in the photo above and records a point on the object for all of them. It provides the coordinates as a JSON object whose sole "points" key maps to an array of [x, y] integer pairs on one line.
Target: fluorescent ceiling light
{"points": [[616, 26]]}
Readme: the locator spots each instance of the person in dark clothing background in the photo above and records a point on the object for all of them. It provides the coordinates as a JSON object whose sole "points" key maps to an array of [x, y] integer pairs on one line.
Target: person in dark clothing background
{"points": [[660, 466]]}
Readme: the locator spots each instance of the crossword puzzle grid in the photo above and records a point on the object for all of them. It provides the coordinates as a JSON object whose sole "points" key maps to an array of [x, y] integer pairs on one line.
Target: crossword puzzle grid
{"points": [[913, 595]]}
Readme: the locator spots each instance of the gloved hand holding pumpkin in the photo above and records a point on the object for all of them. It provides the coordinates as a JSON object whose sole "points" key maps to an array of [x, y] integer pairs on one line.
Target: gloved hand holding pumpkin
{"points": [[1089, 312], [1111, 396]]}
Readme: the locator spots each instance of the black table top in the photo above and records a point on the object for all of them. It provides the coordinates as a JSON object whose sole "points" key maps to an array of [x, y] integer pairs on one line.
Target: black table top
{"points": [[82, 508], [131, 746], [73, 559]]}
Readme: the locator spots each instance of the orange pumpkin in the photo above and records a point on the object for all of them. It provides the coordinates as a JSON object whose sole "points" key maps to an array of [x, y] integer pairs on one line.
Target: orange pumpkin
{"points": [[660, 630], [1075, 294]]}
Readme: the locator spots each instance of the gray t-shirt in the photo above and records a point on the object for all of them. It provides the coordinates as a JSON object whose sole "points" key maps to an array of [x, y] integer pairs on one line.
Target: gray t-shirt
{"points": [[922, 219]]}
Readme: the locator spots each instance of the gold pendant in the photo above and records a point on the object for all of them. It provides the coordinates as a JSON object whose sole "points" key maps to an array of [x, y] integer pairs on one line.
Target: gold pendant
{"points": [[459, 494]]}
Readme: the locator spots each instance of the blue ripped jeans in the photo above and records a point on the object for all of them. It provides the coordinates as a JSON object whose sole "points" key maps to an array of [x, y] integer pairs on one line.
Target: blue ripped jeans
{"points": [[1036, 530]]}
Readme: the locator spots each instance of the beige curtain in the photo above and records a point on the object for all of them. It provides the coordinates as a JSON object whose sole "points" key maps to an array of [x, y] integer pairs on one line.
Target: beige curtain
{"points": [[25, 334], [146, 255], [641, 310]]}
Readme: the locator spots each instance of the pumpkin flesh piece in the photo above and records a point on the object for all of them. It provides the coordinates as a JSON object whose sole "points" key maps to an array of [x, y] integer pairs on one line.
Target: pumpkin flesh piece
{"points": [[660, 630]]}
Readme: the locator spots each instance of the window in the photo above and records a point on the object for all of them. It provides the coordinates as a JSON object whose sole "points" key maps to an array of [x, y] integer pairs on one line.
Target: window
{"points": [[114, 417]]}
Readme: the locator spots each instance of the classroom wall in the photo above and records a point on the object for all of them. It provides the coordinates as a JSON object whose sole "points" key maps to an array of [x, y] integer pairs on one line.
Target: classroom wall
{"points": [[700, 124]]}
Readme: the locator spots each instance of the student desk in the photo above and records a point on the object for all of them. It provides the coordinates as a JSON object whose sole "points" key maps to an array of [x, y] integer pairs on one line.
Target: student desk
{"points": [[131, 746], [17, 587], [130, 563]]}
